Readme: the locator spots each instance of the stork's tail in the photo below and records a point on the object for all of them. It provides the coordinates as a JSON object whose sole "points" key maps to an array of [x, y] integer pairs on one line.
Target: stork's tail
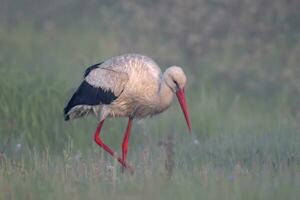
{"points": [[77, 107], [87, 98], [75, 110], [79, 111], [70, 108]]}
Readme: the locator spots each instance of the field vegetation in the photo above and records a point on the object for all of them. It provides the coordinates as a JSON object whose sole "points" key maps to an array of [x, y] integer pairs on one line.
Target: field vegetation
{"points": [[242, 61]]}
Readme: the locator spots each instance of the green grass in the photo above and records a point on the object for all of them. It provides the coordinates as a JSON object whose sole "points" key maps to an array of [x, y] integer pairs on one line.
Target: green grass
{"points": [[264, 166], [242, 147]]}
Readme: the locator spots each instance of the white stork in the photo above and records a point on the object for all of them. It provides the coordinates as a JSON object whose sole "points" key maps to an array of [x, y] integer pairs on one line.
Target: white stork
{"points": [[130, 85]]}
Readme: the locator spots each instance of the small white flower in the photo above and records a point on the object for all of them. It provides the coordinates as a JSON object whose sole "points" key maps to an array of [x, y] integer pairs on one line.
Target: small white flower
{"points": [[18, 147], [196, 142], [77, 156]]}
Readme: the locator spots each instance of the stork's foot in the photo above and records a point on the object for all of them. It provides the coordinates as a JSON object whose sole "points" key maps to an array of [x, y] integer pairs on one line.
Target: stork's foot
{"points": [[125, 166], [129, 169]]}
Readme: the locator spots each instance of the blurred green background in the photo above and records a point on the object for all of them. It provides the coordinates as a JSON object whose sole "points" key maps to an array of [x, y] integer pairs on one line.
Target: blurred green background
{"points": [[242, 61]]}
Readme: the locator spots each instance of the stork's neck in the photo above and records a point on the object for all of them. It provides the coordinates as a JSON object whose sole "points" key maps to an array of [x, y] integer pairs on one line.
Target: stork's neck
{"points": [[165, 95]]}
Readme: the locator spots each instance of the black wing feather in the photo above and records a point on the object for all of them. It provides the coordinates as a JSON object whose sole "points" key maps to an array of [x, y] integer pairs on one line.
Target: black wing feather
{"points": [[91, 68], [86, 94]]}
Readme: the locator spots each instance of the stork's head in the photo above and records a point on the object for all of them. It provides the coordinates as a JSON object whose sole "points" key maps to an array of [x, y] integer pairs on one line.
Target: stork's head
{"points": [[175, 78]]}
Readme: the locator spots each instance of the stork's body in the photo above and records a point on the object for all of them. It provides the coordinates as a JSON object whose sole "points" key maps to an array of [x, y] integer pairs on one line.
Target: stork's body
{"points": [[129, 85]]}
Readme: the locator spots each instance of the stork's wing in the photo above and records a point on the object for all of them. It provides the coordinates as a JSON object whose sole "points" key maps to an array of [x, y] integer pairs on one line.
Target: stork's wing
{"points": [[100, 86], [107, 78]]}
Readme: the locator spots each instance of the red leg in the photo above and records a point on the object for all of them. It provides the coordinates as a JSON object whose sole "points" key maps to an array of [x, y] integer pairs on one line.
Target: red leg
{"points": [[106, 148], [99, 141], [126, 139]]}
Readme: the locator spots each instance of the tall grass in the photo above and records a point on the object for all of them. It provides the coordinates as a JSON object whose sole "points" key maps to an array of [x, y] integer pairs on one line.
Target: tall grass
{"points": [[227, 167]]}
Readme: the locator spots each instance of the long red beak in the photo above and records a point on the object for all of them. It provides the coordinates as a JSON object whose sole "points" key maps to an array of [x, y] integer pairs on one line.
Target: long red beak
{"points": [[181, 98]]}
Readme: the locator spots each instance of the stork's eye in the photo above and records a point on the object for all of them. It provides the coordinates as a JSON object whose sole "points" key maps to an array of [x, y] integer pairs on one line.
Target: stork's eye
{"points": [[177, 85]]}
